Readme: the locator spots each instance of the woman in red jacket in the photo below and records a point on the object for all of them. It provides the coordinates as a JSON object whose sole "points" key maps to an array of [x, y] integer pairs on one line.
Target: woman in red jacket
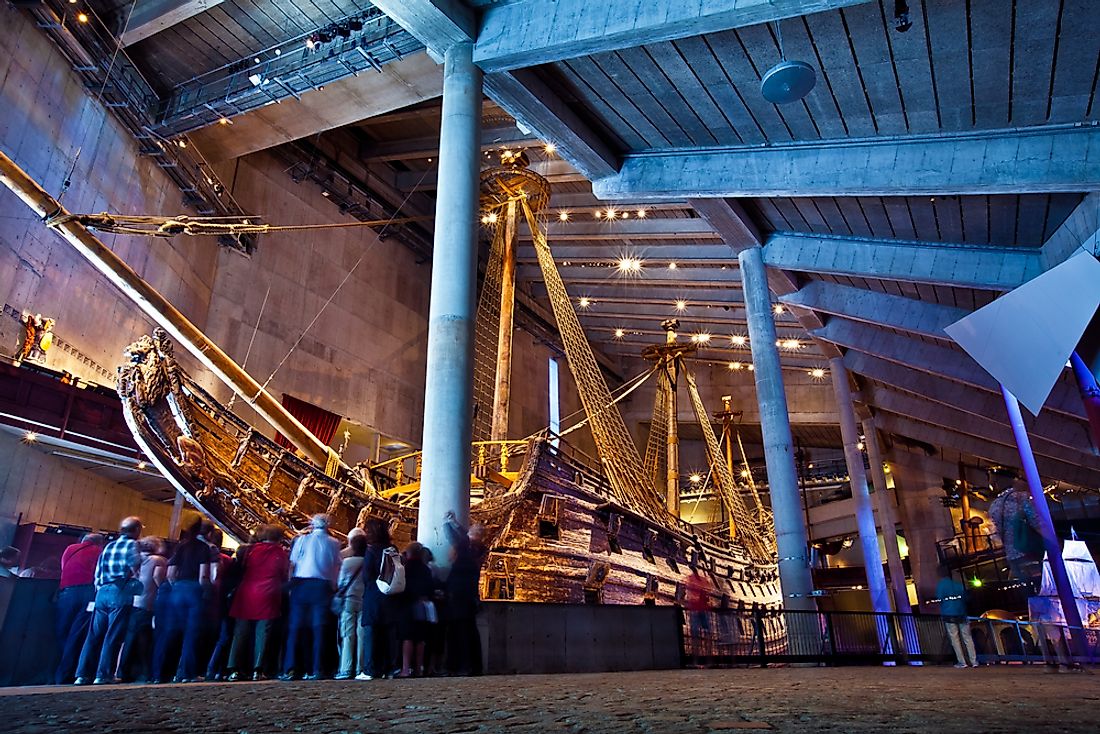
{"points": [[257, 602]]}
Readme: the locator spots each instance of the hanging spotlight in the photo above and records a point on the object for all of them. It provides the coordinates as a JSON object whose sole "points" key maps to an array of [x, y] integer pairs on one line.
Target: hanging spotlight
{"points": [[563, 216], [902, 23], [681, 305]]}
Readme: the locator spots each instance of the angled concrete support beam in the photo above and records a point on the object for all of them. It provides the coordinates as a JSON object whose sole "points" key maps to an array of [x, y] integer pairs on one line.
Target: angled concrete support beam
{"points": [[539, 108], [987, 427], [989, 268], [534, 32], [153, 16], [438, 24], [1068, 430], [944, 362], [1030, 160], [1081, 229], [988, 450], [870, 307]]}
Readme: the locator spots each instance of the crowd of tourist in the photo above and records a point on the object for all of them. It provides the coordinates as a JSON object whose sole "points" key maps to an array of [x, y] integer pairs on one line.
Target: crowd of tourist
{"points": [[130, 611]]}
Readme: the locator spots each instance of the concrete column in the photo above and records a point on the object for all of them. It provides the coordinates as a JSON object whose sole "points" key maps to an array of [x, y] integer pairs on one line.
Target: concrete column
{"points": [[448, 390], [887, 516], [865, 515], [775, 425], [174, 520]]}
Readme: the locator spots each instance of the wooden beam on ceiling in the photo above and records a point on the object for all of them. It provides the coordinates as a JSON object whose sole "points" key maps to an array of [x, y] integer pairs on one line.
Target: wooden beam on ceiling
{"points": [[428, 147], [657, 254], [650, 228], [554, 171]]}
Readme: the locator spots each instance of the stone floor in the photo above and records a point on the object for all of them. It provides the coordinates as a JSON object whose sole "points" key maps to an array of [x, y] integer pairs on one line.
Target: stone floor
{"points": [[937, 700]]}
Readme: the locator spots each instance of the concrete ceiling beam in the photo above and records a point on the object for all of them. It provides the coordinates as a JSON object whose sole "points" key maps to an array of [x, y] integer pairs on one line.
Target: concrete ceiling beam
{"points": [[1052, 159], [428, 146], [555, 171], [870, 307], [413, 79], [532, 32], [681, 254], [651, 228], [989, 268], [440, 24], [588, 200], [153, 16]]}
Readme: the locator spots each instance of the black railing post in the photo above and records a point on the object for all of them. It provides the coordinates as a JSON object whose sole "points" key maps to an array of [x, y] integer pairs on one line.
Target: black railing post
{"points": [[830, 630]]}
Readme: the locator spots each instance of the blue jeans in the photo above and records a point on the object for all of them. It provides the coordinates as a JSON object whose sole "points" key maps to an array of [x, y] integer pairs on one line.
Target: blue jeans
{"points": [[309, 607], [71, 627], [110, 619], [184, 619]]}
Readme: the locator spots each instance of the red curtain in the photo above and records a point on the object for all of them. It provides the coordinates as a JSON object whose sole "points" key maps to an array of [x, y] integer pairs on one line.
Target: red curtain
{"points": [[320, 422]]}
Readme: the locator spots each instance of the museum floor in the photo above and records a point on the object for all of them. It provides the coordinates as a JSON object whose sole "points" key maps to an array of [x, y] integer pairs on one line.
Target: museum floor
{"points": [[940, 700]]}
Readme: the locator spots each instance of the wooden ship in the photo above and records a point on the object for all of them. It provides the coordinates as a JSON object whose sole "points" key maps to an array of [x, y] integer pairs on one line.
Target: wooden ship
{"points": [[561, 526]]}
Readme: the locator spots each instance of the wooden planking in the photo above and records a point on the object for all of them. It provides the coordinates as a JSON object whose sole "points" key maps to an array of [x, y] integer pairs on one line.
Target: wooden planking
{"points": [[731, 55], [1036, 29], [637, 89], [670, 60], [991, 27], [875, 66], [723, 92], [611, 109], [1074, 76]]}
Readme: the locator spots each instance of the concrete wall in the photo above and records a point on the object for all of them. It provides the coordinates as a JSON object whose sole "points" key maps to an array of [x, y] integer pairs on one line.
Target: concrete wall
{"points": [[45, 117], [38, 487]]}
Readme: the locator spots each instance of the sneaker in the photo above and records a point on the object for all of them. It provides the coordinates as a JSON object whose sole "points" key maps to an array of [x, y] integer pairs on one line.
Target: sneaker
{"points": [[105, 681], [258, 677], [364, 676], [960, 665], [342, 676], [287, 677], [311, 676], [973, 665], [234, 677], [82, 682]]}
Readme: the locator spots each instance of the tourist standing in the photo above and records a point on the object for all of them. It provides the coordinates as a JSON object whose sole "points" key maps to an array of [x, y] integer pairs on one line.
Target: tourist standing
{"points": [[75, 592], [415, 611], [116, 585], [349, 602], [257, 603], [463, 597], [135, 661], [314, 569], [375, 622], [190, 567], [952, 597]]}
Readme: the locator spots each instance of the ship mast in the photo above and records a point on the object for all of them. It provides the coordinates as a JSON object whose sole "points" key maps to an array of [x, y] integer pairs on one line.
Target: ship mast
{"points": [[163, 313]]}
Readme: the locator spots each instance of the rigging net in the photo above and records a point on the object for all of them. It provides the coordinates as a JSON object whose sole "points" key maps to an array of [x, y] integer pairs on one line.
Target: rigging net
{"points": [[625, 470]]}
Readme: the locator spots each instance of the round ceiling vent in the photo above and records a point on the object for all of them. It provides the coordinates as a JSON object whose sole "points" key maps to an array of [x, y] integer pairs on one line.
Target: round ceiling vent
{"points": [[788, 81]]}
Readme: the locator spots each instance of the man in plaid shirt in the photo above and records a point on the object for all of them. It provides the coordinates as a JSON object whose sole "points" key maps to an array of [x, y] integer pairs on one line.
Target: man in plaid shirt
{"points": [[116, 585]]}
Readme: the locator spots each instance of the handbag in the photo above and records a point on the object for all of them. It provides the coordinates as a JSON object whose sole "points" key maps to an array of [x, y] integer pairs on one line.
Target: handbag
{"points": [[337, 603], [391, 574], [425, 612]]}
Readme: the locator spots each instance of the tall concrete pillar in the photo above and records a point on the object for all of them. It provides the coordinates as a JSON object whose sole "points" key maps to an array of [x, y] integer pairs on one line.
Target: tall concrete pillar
{"points": [[775, 426], [887, 515], [448, 390], [865, 515]]}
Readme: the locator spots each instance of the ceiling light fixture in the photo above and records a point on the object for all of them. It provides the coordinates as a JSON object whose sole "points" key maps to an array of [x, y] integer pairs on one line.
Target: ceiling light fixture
{"points": [[563, 216], [738, 340], [681, 305], [641, 213], [788, 81], [585, 302], [672, 266], [550, 148], [778, 309]]}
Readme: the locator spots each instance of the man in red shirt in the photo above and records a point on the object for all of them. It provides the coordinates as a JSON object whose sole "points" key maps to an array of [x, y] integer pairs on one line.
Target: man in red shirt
{"points": [[75, 593]]}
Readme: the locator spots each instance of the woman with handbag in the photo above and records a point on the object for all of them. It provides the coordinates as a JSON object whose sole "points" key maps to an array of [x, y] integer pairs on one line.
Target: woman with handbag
{"points": [[257, 602], [376, 619], [347, 603]]}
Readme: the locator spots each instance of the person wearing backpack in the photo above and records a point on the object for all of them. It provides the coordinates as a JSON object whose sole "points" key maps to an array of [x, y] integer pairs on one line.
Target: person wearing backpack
{"points": [[380, 562]]}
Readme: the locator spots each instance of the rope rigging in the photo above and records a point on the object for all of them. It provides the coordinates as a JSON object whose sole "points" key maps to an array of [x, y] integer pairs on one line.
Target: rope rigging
{"points": [[153, 226]]}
